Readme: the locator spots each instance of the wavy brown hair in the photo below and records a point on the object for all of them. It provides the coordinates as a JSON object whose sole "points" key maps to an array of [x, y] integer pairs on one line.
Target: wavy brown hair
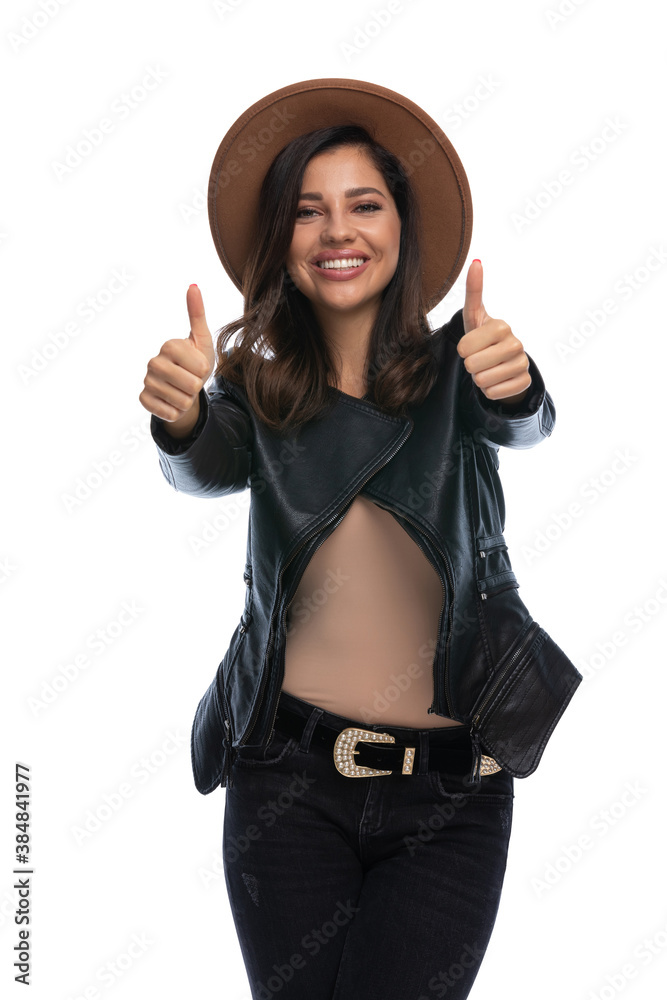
{"points": [[292, 387]]}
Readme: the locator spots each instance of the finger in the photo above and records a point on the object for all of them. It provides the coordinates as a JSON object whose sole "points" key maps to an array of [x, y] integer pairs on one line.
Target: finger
{"points": [[199, 331], [507, 387], [175, 387], [174, 365], [489, 345], [473, 308], [157, 404], [515, 369]]}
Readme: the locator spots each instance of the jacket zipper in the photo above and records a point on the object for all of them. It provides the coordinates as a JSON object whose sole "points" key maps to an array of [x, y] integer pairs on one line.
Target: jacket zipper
{"points": [[418, 528], [281, 664], [340, 514], [229, 751], [474, 727], [264, 678]]}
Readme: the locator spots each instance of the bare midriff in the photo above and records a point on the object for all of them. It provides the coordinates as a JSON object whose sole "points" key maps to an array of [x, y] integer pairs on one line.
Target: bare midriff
{"points": [[362, 626]]}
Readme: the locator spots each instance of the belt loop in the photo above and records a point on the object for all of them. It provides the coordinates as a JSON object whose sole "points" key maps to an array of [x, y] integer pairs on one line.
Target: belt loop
{"points": [[424, 744], [313, 719]]}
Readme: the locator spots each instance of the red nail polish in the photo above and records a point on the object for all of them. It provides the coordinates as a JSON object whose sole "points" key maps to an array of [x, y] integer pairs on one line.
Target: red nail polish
{"points": [[193, 285], [477, 259]]}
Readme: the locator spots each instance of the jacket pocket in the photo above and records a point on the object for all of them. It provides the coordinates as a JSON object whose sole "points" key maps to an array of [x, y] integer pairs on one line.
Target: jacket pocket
{"points": [[493, 569], [209, 740], [519, 706], [211, 751]]}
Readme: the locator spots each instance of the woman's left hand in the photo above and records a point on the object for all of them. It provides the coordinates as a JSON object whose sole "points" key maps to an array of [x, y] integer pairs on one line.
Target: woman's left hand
{"points": [[492, 354]]}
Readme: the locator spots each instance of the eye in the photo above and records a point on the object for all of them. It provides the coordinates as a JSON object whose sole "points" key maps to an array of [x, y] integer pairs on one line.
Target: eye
{"points": [[366, 204]]}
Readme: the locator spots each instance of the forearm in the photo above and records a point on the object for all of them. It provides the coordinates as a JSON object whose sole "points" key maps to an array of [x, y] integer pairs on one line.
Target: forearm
{"points": [[518, 421], [214, 459]]}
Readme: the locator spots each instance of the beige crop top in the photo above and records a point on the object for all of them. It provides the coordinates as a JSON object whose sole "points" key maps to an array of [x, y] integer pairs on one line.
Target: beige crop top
{"points": [[363, 624]]}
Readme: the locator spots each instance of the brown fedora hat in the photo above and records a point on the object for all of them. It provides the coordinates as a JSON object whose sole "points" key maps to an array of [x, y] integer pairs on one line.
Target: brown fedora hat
{"points": [[402, 127]]}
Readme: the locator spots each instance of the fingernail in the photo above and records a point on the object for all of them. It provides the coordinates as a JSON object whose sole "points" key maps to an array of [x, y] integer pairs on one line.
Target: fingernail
{"points": [[193, 285], [477, 259]]}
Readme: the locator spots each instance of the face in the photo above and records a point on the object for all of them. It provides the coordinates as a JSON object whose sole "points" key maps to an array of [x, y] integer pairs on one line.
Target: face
{"points": [[332, 217]]}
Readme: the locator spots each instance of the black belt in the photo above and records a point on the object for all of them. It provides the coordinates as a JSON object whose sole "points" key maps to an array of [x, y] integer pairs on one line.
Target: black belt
{"points": [[359, 752]]}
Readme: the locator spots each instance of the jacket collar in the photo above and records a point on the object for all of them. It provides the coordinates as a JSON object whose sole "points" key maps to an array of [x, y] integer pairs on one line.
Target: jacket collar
{"points": [[327, 462]]}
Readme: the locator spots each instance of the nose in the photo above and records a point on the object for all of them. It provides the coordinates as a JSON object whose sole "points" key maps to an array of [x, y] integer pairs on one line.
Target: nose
{"points": [[338, 227]]}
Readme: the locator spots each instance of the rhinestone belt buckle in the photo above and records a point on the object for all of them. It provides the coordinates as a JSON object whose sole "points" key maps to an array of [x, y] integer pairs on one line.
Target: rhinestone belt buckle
{"points": [[345, 748]]}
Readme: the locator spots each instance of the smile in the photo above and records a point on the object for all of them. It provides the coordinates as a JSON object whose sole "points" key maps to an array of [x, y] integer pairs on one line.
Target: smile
{"points": [[341, 269]]}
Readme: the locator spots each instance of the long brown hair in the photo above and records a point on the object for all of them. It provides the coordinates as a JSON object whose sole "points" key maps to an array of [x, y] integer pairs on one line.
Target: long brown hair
{"points": [[292, 387]]}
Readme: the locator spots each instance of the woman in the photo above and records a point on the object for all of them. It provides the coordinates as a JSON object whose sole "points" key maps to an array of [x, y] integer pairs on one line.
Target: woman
{"points": [[386, 886]]}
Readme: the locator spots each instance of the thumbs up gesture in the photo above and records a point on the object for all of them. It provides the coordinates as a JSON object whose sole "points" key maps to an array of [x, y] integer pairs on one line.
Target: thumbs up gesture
{"points": [[492, 354], [176, 375]]}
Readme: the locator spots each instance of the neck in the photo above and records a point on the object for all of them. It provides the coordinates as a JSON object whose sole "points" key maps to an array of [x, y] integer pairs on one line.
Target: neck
{"points": [[348, 337]]}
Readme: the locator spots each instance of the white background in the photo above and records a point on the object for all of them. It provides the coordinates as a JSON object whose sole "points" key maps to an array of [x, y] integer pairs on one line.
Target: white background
{"points": [[535, 90]]}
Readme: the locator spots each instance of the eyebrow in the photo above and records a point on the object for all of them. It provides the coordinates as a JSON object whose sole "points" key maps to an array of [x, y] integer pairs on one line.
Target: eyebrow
{"points": [[350, 193]]}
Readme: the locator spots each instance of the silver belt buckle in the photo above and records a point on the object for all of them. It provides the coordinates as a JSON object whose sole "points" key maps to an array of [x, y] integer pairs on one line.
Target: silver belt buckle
{"points": [[345, 748]]}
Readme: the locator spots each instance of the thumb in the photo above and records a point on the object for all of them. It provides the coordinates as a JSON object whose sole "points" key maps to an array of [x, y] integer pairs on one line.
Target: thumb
{"points": [[474, 313], [200, 335]]}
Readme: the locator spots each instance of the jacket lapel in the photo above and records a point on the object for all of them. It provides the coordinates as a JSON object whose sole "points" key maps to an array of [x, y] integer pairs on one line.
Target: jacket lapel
{"points": [[323, 466]]}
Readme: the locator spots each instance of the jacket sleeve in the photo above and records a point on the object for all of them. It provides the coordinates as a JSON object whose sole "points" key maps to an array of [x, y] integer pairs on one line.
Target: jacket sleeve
{"points": [[215, 459], [519, 425]]}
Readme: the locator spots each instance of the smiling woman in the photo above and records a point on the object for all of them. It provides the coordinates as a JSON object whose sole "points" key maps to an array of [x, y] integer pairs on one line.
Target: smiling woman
{"points": [[385, 682]]}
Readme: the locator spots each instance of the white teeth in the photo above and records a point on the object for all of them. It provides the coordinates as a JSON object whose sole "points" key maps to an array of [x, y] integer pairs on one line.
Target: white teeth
{"points": [[340, 262]]}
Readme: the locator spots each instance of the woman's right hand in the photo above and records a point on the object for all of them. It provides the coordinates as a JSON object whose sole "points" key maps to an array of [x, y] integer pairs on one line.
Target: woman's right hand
{"points": [[174, 378]]}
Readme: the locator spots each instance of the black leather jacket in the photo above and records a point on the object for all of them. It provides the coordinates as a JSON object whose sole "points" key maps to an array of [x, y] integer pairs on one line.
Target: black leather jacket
{"points": [[436, 471]]}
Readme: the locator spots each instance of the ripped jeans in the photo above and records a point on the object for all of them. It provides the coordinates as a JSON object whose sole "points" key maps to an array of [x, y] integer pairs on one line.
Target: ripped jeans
{"points": [[378, 887]]}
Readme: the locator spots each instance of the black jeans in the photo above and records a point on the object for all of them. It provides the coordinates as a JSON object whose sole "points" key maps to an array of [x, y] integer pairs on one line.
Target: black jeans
{"points": [[382, 887]]}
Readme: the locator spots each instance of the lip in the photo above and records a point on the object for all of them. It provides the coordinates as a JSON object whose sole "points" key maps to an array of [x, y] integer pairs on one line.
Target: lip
{"points": [[339, 273]]}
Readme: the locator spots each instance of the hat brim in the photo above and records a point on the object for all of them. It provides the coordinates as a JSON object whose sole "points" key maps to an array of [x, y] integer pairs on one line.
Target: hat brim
{"points": [[266, 127]]}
